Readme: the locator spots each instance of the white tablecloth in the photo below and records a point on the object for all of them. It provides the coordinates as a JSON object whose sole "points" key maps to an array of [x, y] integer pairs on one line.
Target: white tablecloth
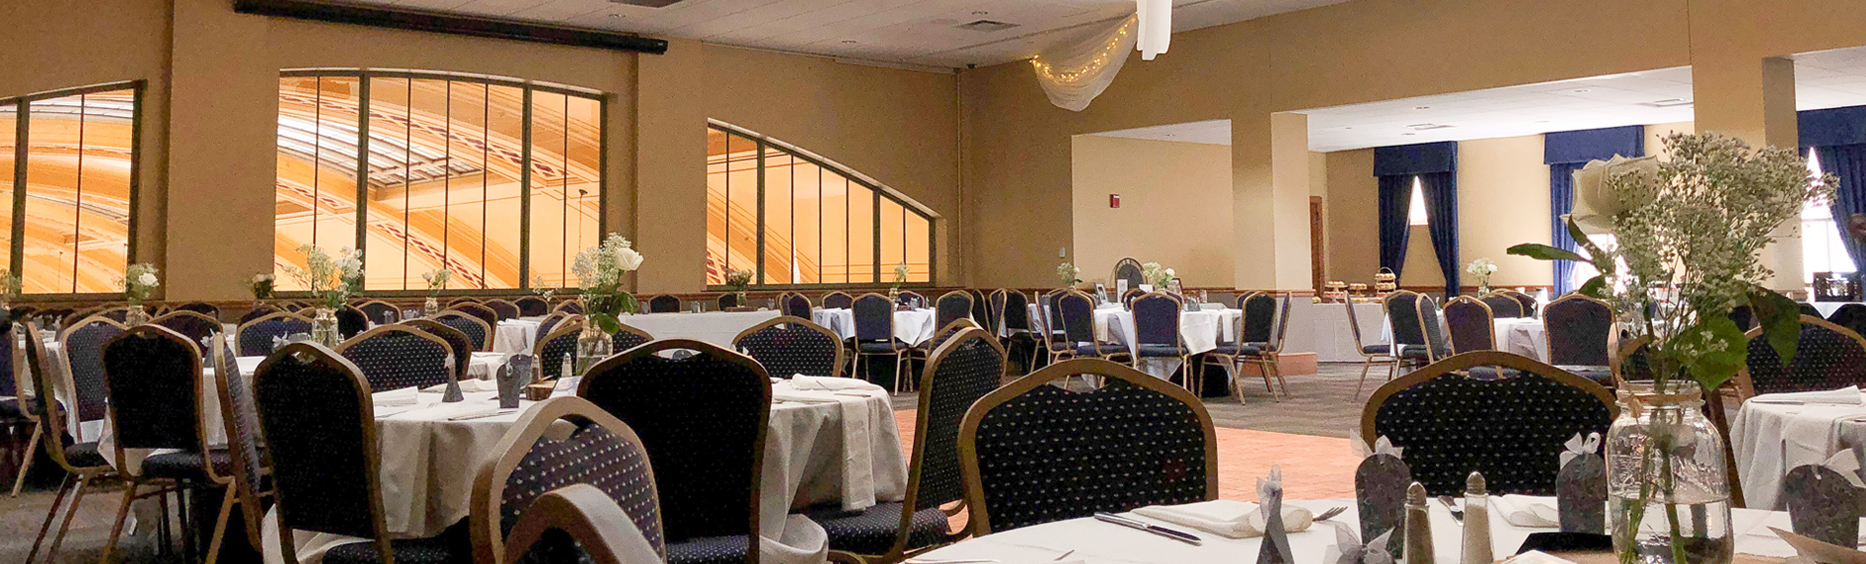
{"points": [[911, 326], [1324, 329], [1095, 542], [715, 327], [813, 454], [1769, 439], [1523, 336], [1828, 308], [515, 336]]}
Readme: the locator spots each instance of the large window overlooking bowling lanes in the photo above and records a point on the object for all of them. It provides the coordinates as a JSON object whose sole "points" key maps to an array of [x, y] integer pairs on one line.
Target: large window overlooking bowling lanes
{"points": [[796, 219], [499, 181], [68, 179]]}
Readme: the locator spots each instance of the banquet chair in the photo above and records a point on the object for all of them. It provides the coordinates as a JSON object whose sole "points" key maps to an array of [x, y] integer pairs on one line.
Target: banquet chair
{"points": [[837, 300], [200, 307], [461, 300], [379, 311], [874, 336], [562, 442], [577, 524], [1079, 341], [258, 312], [1128, 297], [81, 459], [1630, 363], [952, 306], [1371, 355], [351, 321], [1256, 324], [1510, 429], [476, 329], [962, 370], [560, 345], [1827, 357], [1402, 315], [254, 337], [1128, 269], [949, 331], [393, 357], [1432, 323], [545, 325], [981, 311], [1053, 314], [1471, 325], [1267, 354], [796, 305], [1156, 336], [319, 426], [457, 342], [1032, 453], [664, 303], [788, 345], [503, 308], [17, 413], [911, 299], [627, 337], [707, 469], [569, 306], [1850, 316], [1502, 305], [1579, 330], [153, 383], [240, 422], [531, 306], [1527, 302], [83, 348], [727, 301], [192, 325], [483, 313], [1012, 310]]}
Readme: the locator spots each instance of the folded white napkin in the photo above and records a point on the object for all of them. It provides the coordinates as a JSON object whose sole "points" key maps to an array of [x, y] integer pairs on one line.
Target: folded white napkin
{"points": [[1226, 518], [1849, 395], [404, 396], [802, 382], [475, 411], [1526, 511], [467, 385]]}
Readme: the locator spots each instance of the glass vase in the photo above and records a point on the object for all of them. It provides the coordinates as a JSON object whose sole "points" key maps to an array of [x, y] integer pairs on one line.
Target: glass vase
{"points": [[430, 307], [136, 315], [324, 328], [592, 345], [1668, 490]]}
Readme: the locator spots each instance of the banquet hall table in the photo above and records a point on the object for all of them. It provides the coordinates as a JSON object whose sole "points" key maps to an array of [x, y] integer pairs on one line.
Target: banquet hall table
{"points": [[1200, 330], [1774, 433], [1089, 541], [1523, 336], [715, 327], [911, 326], [830, 440], [517, 335]]}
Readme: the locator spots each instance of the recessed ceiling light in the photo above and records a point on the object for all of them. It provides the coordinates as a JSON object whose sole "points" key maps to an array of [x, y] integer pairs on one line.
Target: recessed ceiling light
{"points": [[1406, 134], [615, 16], [848, 42], [1347, 128], [1422, 107], [1581, 90], [981, 13]]}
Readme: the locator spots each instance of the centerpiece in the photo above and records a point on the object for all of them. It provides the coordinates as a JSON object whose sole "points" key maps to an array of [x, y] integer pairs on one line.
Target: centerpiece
{"points": [[600, 271], [139, 281], [1156, 275], [737, 281], [262, 285], [437, 281], [10, 285], [330, 281], [1686, 236], [1482, 268], [1068, 275]]}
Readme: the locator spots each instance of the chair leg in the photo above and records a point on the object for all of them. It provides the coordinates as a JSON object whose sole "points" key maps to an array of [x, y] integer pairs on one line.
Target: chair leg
{"points": [[64, 487], [1366, 363], [77, 498], [220, 524], [116, 527], [31, 452], [1281, 382]]}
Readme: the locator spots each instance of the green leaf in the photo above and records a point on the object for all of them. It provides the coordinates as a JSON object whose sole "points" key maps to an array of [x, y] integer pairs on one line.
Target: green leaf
{"points": [[1780, 318], [1580, 238], [1710, 351], [605, 322], [1595, 287], [1540, 251]]}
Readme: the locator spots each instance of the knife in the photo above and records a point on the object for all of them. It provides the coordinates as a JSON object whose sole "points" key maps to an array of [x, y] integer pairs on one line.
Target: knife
{"points": [[1180, 536]]}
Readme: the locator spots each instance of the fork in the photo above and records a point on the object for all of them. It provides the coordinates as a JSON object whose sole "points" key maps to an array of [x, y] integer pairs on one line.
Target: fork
{"points": [[1456, 514], [1330, 513]]}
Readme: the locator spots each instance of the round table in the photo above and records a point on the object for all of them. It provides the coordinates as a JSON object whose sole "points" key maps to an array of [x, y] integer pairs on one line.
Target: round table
{"points": [[1772, 434], [911, 326], [1523, 336], [715, 327], [515, 336]]}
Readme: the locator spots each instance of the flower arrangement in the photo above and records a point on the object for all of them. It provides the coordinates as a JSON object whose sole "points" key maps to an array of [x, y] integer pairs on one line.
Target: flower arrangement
{"points": [[1687, 233], [1068, 274], [139, 280], [900, 274], [543, 289], [600, 270], [1482, 268], [738, 280], [1156, 275], [329, 280], [10, 285], [262, 285], [437, 281]]}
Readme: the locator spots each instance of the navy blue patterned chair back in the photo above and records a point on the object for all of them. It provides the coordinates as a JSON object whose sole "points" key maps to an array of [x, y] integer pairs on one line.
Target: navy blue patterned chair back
{"points": [[254, 337], [504, 309], [380, 311], [1078, 312], [1042, 454], [789, 345], [549, 322], [476, 331], [796, 305], [530, 306], [481, 312], [728, 301], [874, 318], [1128, 297], [151, 377], [1502, 306], [457, 342], [553, 348], [558, 443], [952, 306], [1016, 310], [1510, 429], [1259, 317], [1827, 357], [968, 366], [240, 420], [910, 298], [258, 312], [317, 423], [1577, 330], [1053, 312], [83, 345], [1156, 320], [351, 321], [190, 324], [981, 311], [703, 419], [9, 377], [1433, 323], [627, 338], [664, 303], [1403, 314], [1470, 323], [203, 308], [1129, 269], [1282, 322], [835, 300], [398, 356], [570, 307]]}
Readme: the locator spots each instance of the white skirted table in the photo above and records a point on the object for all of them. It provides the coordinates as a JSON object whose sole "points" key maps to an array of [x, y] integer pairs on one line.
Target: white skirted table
{"points": [[1201, 331], [1524, 336], [714, 327], [515, 336], [911, 326], [1774, 433]]}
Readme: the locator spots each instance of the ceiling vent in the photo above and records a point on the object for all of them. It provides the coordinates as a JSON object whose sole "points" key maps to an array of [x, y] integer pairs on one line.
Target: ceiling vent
{"points": [[1668, 103], [647, 3], [1427, 126], [986, 26]]}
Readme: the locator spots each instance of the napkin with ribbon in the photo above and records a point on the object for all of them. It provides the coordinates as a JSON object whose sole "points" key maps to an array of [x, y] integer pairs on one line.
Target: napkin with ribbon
{"points": [[1227, 518], [404, 396], [1847, 463], [1349, 550], [1849, 395], [1527, 511], [1577, 446], [1382, 445]]}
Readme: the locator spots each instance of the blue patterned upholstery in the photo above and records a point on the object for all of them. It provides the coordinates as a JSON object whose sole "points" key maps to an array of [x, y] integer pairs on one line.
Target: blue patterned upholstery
{"points": [[530, 306], [151, 377], [1512, 430], [481, 312], [627, 338], [551, 351], [193, 326], [1016, 311], [664, 303], [312, 416], [796, 305], [874, 530], [874, 322], [570, 307], [1259, 317], [965, 372], [1156, 327], [1403, 314], [407, 551], [1129, 269], [396, 357], [457, 342], [1078, 314], [464, 323], [1502, 306], [793, 347], [1577, 331], [953, 306], [351, 321], [837, 300], [84, 348], [504, 309], [1434, 327], [1825, 359], [1470, 323], [255, 338], [594, 455]]}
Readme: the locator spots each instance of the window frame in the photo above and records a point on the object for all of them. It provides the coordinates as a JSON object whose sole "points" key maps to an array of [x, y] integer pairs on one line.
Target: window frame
{"points": [[763, 143], [22, 144], [364, 76]]}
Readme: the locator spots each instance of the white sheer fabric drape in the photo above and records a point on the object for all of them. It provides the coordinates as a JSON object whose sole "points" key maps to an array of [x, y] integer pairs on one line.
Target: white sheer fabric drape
{"points": [[1073, 75]]}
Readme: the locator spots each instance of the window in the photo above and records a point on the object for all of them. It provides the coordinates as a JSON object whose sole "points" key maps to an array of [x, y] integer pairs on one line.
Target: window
{"points": [[67, 176], [796, 220], [497, 181], [1821, 248], [1415, 213]]}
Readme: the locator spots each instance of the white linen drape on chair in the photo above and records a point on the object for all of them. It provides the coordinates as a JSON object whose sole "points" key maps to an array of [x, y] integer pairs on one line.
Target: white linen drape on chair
{"points": [[1073, 75]]}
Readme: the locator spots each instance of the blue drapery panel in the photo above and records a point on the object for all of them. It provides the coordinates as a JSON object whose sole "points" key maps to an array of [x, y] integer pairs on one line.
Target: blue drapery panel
{"points": [[1848, 163], [1411, 160], [1832, 127], [1566, 152], [1441, 210], [1395, 226]]}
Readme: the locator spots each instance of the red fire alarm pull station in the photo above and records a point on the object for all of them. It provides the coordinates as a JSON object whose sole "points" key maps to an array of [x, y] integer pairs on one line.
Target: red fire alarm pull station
{"points": [[1114, 200]]}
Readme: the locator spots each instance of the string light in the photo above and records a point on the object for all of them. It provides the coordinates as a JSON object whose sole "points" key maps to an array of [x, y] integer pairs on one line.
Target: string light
{"points": [[1093, 66]]}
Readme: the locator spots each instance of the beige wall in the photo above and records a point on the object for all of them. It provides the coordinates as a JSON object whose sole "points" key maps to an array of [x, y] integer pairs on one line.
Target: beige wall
{"points": [[1353, 216], [1167, 189]]}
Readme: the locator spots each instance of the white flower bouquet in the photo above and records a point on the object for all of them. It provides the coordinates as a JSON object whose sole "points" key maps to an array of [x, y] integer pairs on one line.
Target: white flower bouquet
{"points": [[329, 280], [139, 281], [437, 281], [600, 271], [262, 285], [1068, 274], [1156, 275], [1482, 268]]}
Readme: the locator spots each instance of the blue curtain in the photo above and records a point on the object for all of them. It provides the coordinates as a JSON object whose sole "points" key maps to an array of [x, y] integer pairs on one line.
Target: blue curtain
{"points": [[1441, 210], [1395, 226], [1566, 152], [1848, 163], [1561, 201]]}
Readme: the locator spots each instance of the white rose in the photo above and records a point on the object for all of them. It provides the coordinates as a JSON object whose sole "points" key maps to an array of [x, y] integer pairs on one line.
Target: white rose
{"points": [[1170, 273], [1595, 203], [628, 259], [147, 279]]}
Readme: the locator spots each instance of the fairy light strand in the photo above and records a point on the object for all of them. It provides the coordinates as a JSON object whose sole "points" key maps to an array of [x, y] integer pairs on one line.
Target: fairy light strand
{"points": [[1093, 67]]}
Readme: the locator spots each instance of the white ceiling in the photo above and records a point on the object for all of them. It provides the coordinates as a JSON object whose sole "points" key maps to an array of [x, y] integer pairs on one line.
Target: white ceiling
{"points": [[1214, 132], [906, 32]]}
